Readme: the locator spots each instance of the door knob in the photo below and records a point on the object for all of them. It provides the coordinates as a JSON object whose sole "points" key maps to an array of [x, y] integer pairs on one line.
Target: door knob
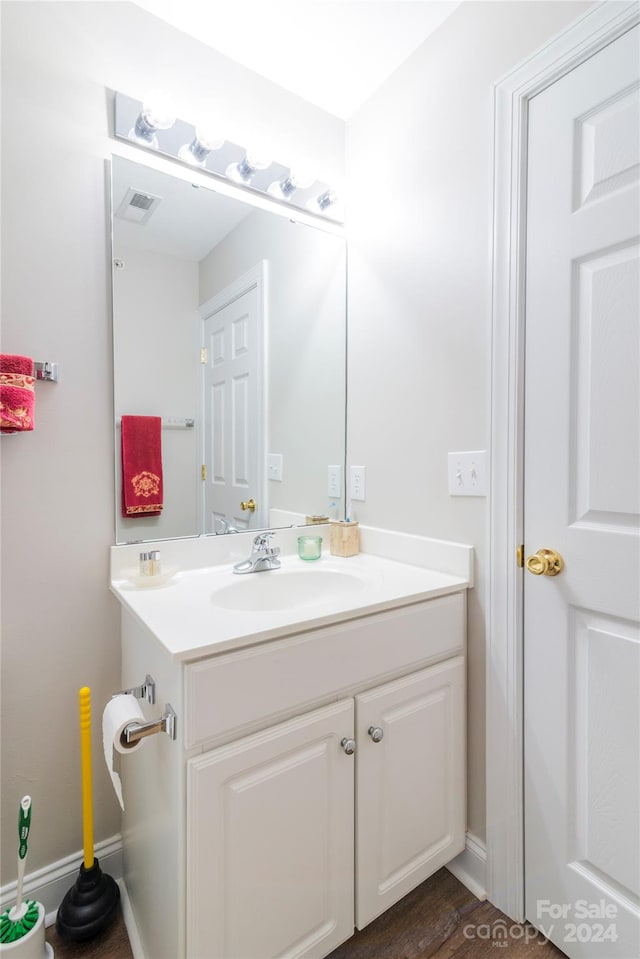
{"points": [[349, 746], [376, 733], [546, 562], [249, 504]]}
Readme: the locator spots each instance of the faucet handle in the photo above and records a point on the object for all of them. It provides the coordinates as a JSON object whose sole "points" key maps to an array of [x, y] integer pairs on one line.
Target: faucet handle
{"points": [[261, 541]]}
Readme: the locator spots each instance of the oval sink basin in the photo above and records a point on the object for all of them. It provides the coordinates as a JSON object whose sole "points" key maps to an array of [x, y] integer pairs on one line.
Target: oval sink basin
{"points": [[281, 589]]}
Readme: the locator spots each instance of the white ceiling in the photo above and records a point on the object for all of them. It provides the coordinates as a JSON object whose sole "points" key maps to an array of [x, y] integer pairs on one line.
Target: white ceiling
{"points": [[333, 53]]}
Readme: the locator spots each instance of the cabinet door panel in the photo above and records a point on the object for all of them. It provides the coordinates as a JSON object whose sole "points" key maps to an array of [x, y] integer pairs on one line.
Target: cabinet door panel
{"points": [[410, 813], [270, 842]]}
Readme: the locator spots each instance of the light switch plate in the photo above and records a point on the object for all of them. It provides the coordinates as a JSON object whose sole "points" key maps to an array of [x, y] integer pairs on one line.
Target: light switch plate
{"points": [[334, 481], [468, 473], [358, 482], [274, 466]]}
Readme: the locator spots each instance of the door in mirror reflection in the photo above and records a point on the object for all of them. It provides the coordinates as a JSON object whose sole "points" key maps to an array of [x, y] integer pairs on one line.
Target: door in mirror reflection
{"points": [[233, 328], [174, 267]]}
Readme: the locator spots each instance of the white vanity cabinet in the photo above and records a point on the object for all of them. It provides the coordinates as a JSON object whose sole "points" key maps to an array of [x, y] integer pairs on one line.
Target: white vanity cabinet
{"points": [[271, 862], [361, 799], [280, 836]]}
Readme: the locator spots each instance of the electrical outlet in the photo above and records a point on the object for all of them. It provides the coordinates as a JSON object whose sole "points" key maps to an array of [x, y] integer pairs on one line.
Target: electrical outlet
{"points": [[468, 473], [274, 467], [334, 481], [358, 482]]}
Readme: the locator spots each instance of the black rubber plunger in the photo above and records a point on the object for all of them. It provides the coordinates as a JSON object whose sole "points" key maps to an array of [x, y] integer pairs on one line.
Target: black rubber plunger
{"points": [[89, 906]]}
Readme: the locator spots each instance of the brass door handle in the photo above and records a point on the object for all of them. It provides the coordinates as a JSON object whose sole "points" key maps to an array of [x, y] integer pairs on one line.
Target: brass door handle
{"points": [[249, 504], [546, 562]]}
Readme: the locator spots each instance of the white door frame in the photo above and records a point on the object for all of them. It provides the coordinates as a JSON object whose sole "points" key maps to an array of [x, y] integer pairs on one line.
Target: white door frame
{"points": [[256, 277], [504, 677]]}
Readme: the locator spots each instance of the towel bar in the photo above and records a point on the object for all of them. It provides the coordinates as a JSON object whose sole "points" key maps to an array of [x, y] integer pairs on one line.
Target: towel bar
{"points": [[46, 371], [173, 423], [178, 423], [132, 732]]}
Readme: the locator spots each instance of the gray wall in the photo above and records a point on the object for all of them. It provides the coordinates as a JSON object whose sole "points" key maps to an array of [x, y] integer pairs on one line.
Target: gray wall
{"points": [[419, 193], [60, 623]]}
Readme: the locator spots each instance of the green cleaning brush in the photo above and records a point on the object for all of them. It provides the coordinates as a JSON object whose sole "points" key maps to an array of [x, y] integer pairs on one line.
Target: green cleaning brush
{"points": [[21, 918]]}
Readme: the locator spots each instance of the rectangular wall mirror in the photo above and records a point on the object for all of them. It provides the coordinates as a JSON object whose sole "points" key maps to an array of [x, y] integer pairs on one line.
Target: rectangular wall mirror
{"points": [[229, 324]]}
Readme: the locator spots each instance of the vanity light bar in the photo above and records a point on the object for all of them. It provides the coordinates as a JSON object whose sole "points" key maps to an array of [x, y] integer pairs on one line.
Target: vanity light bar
{"points": [[155, 129]]}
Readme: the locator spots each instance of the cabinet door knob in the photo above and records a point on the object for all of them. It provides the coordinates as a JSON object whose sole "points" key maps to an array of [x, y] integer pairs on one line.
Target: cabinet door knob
{"points": [[376, 733], [349, 746]]}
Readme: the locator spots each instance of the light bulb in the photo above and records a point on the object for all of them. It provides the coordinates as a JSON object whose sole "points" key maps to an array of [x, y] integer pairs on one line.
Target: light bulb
{"points": [[209, 137], [206, 140], [294, 180], [322, 202], [245, 169], [257, 161], [157, 114], [158, 110]]}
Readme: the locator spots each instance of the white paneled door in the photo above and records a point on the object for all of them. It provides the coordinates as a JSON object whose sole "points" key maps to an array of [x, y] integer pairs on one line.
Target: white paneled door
{"points": [[582, 500], [232, 413]]}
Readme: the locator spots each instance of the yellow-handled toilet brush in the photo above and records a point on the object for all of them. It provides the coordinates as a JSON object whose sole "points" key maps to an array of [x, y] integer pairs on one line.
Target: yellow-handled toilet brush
{"points": [[91, 904]]}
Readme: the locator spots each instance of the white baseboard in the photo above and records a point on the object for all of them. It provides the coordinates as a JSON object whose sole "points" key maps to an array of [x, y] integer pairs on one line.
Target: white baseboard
{"points": [[50, 884], [470, 867], [130, 923]]}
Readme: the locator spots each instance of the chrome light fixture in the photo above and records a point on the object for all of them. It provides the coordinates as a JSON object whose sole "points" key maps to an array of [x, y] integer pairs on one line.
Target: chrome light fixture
{"points": [[152, 125]]}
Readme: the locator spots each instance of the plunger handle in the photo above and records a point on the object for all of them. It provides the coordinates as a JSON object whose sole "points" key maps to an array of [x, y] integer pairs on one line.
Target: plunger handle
{"points": [[85, 756]]}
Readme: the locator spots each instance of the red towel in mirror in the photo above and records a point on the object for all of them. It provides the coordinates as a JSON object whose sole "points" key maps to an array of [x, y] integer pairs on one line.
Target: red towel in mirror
{"points": [[142, 490], [17, 398]]}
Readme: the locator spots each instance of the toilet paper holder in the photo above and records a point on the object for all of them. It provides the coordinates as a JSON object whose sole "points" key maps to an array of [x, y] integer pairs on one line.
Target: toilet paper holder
{"points": [[133, 732], [147, 690]]}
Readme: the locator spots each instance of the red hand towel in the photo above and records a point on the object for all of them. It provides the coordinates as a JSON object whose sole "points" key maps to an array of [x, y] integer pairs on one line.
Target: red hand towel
{"points": [[17, 399], [142, 490], [11, 363]]}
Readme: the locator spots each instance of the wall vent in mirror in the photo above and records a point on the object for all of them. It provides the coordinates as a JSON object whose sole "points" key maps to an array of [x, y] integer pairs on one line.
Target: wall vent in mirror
{"points": [[137, 206], [152, 125]]}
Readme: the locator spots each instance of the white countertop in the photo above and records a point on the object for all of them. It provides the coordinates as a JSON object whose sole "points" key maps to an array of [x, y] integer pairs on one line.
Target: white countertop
{"points": [[184, 617]]}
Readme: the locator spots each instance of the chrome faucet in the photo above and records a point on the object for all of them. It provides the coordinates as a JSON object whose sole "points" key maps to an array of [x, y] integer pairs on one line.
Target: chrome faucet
{"points": [[262, 556], [226, 526]]}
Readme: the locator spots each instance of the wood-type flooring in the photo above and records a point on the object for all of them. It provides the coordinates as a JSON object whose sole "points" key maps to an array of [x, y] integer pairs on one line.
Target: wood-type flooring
{"points": [[440, 919]]}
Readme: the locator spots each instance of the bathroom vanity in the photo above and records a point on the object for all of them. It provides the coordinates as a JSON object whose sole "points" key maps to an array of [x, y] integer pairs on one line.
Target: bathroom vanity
{"points": [[318, 773]]}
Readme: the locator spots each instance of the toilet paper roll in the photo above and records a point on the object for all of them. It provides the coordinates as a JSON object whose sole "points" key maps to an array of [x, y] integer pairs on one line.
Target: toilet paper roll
{"points": [[118, 713]]}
